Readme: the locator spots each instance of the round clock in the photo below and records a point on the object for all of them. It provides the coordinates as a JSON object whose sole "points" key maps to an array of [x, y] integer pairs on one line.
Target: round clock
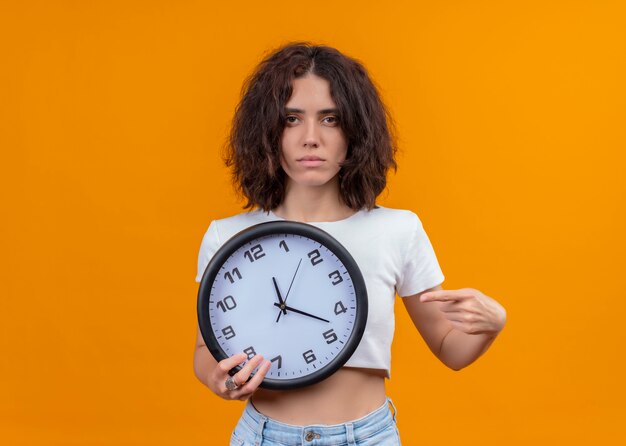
{"points": [[286, 290]]}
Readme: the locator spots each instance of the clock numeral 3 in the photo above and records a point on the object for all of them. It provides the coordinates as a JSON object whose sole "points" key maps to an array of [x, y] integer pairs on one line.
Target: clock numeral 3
{"points": [[336, 277], [228, 303], [308, 356], [230, 275], [254, 253], [330, 336], [280, 361], [315, 257], [250, 352], [228, 332], [340, 308]]}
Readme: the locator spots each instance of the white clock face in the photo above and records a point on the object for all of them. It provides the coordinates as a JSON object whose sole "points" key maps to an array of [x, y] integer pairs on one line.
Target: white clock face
{"points": [[290, 298]]}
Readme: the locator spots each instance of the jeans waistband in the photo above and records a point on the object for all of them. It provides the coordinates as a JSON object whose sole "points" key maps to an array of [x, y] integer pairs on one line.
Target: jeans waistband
{"points": [[360, 428]]}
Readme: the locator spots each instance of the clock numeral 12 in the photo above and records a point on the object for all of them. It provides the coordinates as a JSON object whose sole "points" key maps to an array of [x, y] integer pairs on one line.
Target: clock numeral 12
{"points": [[337, 277], [308, 356], [234, 272], [330, 336], [228, 303], [254, 253]]}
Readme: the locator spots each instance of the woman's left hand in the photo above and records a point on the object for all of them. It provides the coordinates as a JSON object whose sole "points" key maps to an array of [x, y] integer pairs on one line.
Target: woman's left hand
{"points": [[469, 310]]}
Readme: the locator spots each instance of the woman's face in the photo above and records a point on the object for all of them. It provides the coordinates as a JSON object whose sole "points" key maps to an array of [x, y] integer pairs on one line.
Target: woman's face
{"points": [[313, 144]]}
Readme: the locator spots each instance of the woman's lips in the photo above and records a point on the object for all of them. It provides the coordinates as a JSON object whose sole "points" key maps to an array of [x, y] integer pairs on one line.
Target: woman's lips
{"points": [[311, 161]]}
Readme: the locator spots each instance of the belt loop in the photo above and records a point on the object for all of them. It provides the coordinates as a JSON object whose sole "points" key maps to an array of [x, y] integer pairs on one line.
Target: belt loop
{"points": [[350, 434], [259, 431], [395, 411]]}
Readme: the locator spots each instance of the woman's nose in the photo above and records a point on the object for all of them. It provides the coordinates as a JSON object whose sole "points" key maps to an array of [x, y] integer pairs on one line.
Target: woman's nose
{"points": [[311, 135]]}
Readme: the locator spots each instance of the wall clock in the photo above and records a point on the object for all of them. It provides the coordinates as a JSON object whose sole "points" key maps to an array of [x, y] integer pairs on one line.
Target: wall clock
{"points": [[286, 290]]}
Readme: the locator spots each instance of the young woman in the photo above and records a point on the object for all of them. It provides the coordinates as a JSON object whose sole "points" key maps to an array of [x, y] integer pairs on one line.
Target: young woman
{"points": [[310, 142]]}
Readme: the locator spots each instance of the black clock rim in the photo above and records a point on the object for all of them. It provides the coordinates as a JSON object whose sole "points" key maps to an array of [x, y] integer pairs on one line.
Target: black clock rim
{"points": [[285, 227]]}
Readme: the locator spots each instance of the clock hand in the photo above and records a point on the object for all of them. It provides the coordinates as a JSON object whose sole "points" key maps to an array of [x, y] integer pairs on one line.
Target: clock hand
{"points": [[287, 295], [294, 276], [287, 307], [280, 299]]}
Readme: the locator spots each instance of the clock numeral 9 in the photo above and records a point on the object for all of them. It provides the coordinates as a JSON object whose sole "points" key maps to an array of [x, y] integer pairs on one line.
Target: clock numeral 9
{"points": [[228, 332], [315, 257], [330, 336], [228, 303], [336, 277], [250, 352], [254, 253], [340, 308], [308, 356], [229, 276]]}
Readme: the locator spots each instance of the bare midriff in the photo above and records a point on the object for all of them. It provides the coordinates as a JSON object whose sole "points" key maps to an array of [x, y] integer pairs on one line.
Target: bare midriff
{"points": [[348, 394]]}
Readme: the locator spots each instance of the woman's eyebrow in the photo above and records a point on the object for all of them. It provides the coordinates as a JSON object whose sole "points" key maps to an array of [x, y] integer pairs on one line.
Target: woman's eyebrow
{"points": [[324, 111]]}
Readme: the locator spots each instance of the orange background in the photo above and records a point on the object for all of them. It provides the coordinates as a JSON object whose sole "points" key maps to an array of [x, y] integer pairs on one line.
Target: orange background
{"points": [[511, 118]]}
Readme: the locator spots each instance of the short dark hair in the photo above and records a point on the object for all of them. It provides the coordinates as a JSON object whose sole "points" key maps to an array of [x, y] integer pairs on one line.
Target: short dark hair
{"points": [[254, 144]]}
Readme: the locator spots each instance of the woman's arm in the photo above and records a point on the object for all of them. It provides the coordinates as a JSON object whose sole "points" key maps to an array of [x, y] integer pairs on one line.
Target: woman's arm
{"points": [[457, 325]]}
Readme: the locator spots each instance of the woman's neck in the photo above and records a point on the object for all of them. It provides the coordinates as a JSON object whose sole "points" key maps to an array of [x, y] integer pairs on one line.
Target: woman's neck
{"points": [[312, 204]]}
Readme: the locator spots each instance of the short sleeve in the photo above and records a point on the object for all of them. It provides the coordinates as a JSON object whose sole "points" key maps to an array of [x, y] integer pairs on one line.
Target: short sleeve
{"points": [[420, 269], [209, 246]]}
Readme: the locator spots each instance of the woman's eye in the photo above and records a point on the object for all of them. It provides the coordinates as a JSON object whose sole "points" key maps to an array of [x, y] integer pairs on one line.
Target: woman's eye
{"points": [[331, 119], [291, 119]]}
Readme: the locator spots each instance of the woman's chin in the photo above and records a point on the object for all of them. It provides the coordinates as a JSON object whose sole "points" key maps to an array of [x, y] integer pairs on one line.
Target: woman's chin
{"points": [[314, 181]]}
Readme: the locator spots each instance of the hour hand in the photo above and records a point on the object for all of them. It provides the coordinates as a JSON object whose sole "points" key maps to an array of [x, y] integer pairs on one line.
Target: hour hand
{"points": [[287, 307], [280, 298]]}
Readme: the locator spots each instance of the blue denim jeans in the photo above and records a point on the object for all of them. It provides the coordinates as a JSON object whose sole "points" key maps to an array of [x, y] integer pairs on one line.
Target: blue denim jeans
{"points": [[377, 428]]}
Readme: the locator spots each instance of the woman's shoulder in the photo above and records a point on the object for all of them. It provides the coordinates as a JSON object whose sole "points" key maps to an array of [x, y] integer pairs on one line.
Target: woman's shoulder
{"points": [[226, 227], [383, 222], [393, 216], [244, 217]]}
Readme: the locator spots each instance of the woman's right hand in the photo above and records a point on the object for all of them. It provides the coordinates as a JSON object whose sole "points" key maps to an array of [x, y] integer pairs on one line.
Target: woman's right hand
{"points": [[218, 376]]}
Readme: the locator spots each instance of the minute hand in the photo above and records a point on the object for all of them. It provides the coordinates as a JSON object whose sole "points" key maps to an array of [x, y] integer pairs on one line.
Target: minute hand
{"points": [[287, 307]]}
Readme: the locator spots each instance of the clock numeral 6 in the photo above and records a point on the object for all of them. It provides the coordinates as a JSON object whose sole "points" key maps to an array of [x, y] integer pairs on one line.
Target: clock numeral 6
{"points": [[230, 275], [336, 277], [254, 253], [315, 257], [340, 308], [250, 352], [330, 336], [228, 332], [308, 356], [228, 303]]}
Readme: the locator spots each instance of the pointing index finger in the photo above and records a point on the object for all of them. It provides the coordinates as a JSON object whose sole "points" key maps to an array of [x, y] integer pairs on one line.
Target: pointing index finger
{"points": [[444, 296]]}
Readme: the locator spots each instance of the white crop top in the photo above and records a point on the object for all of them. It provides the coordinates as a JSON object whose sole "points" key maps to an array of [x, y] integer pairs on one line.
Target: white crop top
{"points": [[390, 247]]}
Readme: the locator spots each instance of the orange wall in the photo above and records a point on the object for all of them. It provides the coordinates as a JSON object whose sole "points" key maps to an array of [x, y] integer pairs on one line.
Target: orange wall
{"points": [[511, 118]]}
